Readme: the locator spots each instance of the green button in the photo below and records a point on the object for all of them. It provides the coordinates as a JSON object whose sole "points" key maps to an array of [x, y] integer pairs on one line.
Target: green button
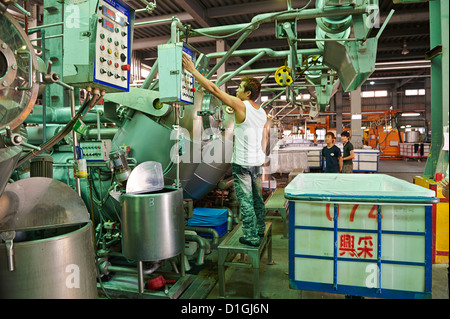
{"points": [[117, 30], [116, 43], [102, 36], [109, 40]]}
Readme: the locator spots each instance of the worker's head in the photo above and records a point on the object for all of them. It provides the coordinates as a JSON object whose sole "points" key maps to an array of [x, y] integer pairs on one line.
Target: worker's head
{"points": [[249, 89], [345, 136], [329, 138]]}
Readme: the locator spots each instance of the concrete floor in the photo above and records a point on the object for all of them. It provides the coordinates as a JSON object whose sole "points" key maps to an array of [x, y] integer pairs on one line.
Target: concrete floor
{"points": [[274, 279]]}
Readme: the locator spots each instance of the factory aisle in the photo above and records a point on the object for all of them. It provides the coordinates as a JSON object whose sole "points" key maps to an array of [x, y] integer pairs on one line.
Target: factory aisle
{"points": [[274, 279]]}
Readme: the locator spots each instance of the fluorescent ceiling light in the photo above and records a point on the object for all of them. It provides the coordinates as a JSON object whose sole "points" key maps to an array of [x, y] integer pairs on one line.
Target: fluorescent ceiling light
{"points": [[410, 114]]}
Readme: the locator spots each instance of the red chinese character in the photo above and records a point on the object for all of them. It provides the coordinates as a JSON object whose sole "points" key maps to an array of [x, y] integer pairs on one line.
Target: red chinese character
{"points": [[366, 250], [347, 244]]}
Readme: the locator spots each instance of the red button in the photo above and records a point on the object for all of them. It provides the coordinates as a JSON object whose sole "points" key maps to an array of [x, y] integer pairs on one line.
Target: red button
{"points": [[102, 47], [116, 65], [126, 67], [109, 62], [192, 89]]}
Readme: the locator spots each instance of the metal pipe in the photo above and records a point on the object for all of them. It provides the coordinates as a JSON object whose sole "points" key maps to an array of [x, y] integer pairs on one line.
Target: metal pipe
{"points": [[45, 26], [59, 115], [282, 16], [211, 231], [229, 52], [273, 99], [74, 138], [176, 24], [99, 136], [48, 37], [140, 277], [267, 51], [139, 24], [28, 14], [248, 63], [201, 243]]}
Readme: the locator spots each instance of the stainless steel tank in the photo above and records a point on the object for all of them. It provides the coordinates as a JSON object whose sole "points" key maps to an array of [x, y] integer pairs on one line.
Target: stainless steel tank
{"points": [[47, 247], [55, 267], [153, 225], [412, 137]]}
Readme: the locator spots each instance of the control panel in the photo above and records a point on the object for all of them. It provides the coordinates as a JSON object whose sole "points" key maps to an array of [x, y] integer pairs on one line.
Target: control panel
{"points": [[176, 85], [112, 51], [97, 44], [95, 150]]}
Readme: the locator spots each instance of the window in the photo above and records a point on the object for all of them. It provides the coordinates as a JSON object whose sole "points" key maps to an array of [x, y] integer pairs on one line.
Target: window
{"points": [[415, 92], [368, 94], [380, 93], [321, 134]]}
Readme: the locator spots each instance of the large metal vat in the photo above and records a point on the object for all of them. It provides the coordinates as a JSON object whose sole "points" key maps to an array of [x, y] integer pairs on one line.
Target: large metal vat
{"points": [[62, 266], [47, 247], [412, 137], [153, 225]]}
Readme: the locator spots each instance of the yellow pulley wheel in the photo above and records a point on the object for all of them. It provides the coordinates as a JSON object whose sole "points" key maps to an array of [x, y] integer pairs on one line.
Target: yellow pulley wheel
{"points": [[283, 76]]}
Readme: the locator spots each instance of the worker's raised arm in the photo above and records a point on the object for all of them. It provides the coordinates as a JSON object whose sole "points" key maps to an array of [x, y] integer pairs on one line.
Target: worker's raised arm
{"points": [[232, 101]]}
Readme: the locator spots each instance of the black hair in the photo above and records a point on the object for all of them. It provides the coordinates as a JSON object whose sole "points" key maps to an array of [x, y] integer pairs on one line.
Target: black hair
{"points": [[346, 134]]}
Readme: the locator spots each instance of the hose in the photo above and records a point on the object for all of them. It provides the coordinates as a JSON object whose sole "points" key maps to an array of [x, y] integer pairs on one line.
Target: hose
{"points": [[84, 109]]}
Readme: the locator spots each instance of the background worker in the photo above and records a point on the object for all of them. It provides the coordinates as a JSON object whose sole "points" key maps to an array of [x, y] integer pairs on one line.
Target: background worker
{"points": [[348, 155], [332, 155], [250, 139]]}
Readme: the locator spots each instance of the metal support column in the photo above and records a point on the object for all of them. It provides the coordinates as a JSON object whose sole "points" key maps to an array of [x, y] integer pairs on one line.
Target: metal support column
{"points": [[439, 82], [355, 112], [338, 108]]}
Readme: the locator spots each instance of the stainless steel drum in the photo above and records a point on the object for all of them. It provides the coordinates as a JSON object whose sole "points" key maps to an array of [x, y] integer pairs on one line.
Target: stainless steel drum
{"points": [[46, 246], [153, 225], [412, 137], [62, 266]]}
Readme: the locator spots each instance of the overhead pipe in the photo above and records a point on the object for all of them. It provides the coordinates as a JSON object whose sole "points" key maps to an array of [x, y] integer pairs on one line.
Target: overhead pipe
{"points": [[236, 44], [242, 67], [282, 16]]}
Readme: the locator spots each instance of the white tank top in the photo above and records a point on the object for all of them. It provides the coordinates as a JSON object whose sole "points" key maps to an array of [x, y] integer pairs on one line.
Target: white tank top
{"points": [[248, 136]]}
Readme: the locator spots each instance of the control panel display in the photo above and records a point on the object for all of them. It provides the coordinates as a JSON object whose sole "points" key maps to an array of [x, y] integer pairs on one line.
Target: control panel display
{"points": [[108, 13], [108, 25], [94, 151], [112, 55], [187, 81]]}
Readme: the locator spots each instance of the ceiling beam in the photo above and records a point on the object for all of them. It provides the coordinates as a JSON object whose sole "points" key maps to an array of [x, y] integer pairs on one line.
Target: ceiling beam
{"points": [[197, 11]]}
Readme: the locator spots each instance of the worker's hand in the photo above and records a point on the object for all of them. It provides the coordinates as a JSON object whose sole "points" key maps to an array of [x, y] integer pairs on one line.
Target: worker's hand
{"points": [[188, 65]]}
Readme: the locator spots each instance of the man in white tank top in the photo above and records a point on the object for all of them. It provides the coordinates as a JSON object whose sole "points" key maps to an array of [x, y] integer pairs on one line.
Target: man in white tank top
{"points": [[250, 140]]}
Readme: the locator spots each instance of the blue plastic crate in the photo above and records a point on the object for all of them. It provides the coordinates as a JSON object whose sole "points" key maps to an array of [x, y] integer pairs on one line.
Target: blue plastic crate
{"points": [[208, 217], [215, 218]]}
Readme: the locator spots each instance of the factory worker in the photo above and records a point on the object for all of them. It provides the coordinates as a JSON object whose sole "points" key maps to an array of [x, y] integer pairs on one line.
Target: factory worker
{"points": [[250, 139], [348, 155], [332, 155]]}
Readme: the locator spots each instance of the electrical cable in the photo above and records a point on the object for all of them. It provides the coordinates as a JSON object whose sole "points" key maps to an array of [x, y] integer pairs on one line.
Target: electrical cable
{"points": [[61, 134]]}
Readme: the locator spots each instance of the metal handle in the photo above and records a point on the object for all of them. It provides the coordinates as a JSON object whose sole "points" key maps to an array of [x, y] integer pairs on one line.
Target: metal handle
{"points": [[30, 76], [8, 237]]}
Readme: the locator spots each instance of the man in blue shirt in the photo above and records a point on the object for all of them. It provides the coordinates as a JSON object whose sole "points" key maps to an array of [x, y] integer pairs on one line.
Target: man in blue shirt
{"points": [[332, 155]]}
